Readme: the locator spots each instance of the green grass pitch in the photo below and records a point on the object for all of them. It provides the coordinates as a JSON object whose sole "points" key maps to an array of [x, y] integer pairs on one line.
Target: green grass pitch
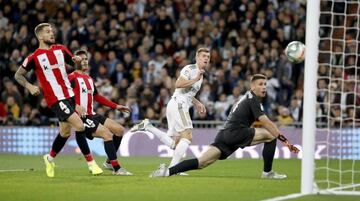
{"points": [[225, 180]]}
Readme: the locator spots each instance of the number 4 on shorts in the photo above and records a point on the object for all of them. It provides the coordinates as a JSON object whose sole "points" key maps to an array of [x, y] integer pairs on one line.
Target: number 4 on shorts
{"points": [[64, 108]]}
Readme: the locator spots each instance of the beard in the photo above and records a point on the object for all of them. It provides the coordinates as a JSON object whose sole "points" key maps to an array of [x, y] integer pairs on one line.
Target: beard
{"points": [[49, 42]]}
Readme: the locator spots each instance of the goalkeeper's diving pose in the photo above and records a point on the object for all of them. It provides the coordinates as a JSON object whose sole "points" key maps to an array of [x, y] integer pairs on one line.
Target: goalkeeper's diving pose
{"points": [[237, 133]]}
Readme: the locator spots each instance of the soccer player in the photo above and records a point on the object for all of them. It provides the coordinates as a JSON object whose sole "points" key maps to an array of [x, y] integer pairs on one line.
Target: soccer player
{"points": [[179, 134], [49, 64], [237, 133], [85, 94]]}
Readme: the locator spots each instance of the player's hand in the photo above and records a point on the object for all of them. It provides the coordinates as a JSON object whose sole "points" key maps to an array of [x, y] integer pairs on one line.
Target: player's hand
{"points": [[291, 147], [200, 74], [80, 110], [76, 59], [34, 90], [201, 109], [122, 108]]}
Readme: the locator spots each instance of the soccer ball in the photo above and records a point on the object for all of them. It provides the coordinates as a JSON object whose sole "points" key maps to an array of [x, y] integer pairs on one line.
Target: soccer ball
{"points": [[295, 52]]}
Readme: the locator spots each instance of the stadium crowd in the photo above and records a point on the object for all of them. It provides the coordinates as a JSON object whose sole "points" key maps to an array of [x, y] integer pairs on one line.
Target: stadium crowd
{"points": [[139, 46]]}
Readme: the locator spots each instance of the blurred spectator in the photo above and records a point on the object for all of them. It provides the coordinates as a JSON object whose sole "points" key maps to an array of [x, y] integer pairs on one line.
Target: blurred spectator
{"points": [[112, 62], [30, 116], [221, 106], [296, 110], [3, 112], [272, 86], [12, 108], [335, 116], [11, 90], [284, 118]]}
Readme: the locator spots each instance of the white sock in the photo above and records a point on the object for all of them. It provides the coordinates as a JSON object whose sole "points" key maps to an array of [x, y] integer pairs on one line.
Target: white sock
{"points": [[90, 163], [180, 150], [50, 158], [162, 136]]}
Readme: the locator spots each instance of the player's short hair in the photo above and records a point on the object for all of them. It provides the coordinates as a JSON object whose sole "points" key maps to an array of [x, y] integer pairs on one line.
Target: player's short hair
{"points": [[202, 49], [77, 53], [40, 27], [80, 51], [257, 77]]}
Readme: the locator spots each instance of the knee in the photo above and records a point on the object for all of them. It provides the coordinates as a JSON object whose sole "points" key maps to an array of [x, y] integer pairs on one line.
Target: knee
{"points": [[107, 136], [204, 164], [79, 127], [65, 133], [187, 135], [271, 138]]}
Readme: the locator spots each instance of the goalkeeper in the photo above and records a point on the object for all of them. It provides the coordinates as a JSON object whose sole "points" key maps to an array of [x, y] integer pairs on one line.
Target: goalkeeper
{"points": [[237, 133]]}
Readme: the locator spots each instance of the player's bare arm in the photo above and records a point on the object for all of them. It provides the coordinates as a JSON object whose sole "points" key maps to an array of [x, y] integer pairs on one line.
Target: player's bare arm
{"points": [[199, 106], [181, 82], [21, 79], [272, 128], [123, 108], [269, 125]]}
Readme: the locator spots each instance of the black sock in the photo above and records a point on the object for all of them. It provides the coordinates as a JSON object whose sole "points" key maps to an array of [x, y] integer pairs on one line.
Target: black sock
{"points": [[268, 155], [59, 143], [82, 143], [117, 142], [111, 154], [191, 164]]}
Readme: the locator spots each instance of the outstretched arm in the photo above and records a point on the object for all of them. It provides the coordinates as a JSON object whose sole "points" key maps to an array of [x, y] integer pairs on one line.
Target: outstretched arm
{"points": [[21, 79], [273, 129], [104, 101]]}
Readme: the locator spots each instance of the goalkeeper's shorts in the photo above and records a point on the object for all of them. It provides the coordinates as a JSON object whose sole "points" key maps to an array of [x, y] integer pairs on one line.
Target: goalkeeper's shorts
{"points": [[229, 141]]}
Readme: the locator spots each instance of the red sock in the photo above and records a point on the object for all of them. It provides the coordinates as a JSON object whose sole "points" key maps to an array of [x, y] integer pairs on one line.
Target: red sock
{"points": [[52, 153], [89, 157], [115, 164]]}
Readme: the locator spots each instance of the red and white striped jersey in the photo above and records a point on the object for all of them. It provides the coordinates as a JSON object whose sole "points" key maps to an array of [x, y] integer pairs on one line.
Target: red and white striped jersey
{"points": [[86, 93], [50, 69]]}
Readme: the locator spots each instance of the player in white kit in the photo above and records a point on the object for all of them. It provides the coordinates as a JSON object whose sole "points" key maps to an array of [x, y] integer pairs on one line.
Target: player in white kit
{"points": [[179, 134]]}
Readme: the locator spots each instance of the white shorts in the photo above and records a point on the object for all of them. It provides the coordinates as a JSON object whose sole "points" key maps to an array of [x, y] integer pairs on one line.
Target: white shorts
{"points": [[178, 117]]}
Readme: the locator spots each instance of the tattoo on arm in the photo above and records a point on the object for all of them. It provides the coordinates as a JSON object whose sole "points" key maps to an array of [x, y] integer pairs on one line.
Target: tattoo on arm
{"points": [[20, 78]]}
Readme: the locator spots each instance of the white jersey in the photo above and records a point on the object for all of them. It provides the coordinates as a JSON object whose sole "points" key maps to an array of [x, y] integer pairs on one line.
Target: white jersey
{"points": [[189, 72]]}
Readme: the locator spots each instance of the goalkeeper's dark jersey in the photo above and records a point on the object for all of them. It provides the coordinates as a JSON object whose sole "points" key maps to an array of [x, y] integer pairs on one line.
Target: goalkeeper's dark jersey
{"points": [[243, 114]]}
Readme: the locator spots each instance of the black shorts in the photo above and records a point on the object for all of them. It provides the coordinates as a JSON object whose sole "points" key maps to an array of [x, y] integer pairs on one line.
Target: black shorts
{"points": [[229, 141], [63, 109], [91, 123]]}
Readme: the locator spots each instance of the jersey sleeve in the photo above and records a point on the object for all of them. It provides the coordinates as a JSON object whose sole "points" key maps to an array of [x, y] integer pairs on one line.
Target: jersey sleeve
{"points": [[104, 101], [185, 73], [256, 108], [28, 63]]}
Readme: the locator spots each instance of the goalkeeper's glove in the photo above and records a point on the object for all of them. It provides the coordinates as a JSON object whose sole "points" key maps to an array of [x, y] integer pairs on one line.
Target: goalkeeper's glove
{"points": [[291, 147]]}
